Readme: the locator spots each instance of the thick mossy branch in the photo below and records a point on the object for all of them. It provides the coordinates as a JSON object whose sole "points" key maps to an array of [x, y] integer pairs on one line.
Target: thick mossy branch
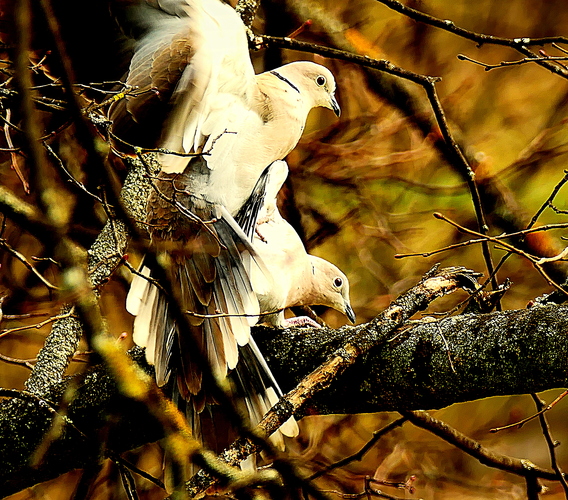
{"points": [[103, 258], [434, 363], [429, 364]]}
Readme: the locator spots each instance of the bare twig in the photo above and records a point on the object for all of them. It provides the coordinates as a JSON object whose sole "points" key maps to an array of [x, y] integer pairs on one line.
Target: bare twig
{"points": [[505, 64], [358, 456], [549, 200], [70, 177], [342, 55], [520, 467], [510, 248], [14, 152], [22, 258], [522, 422], [37, 326], [548, 227], [26, 363], [122, 461], [551, 443], [521, 44]]}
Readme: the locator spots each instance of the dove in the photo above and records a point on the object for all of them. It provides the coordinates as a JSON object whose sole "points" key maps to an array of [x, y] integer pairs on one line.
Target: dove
{"points": [[218, 126], [196, 92], [297, 278]]}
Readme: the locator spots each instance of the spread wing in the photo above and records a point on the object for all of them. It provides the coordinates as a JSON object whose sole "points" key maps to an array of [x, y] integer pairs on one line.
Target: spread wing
{"points": [[193, 75]]}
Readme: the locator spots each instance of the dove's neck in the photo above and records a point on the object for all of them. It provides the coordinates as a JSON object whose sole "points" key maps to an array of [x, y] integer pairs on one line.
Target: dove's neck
{"points": [[303, 291]]}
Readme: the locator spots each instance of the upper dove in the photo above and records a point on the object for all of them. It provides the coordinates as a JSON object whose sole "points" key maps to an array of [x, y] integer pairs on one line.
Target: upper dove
{"points": [[196, 92]]}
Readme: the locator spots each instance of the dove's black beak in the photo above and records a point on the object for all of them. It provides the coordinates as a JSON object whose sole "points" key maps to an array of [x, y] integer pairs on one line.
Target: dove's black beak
{"points": [[350, 313], [335, 105]]}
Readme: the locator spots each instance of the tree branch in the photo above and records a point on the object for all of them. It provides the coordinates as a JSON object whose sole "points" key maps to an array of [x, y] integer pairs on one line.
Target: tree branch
{"points": [[511, 352]]}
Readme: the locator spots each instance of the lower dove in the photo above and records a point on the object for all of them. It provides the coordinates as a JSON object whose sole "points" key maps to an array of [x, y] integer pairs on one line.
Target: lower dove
{"points": [[296, 277]]}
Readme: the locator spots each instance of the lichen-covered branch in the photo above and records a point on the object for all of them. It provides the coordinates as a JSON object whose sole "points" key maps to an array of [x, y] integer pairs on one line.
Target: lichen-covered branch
{"points": [[512, 352], [102, 259], [433, 363]]}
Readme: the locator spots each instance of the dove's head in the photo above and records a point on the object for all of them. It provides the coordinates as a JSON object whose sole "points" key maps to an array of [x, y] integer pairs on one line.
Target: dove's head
{"points": [[331, 287], [314, 81]]}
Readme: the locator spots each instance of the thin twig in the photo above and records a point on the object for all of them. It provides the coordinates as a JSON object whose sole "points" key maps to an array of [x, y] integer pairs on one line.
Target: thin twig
{"points": [[358, 456], [551, 443], [505, 64], [37, 326], [549, 200], [522, 422], [510, 248], [120, 460], [68, 174], [548, 227], [342, 55], [14, 152], [520, 44], [464, 166], [26, 363], [4, 244]]}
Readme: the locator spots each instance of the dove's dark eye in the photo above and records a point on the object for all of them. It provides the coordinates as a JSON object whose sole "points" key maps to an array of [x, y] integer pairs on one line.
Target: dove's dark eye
{"points": [[338, 282], [320, 80]]}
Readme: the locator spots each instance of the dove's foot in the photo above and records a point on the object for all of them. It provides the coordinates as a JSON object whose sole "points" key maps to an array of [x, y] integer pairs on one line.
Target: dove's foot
{"points": [[301, 321]]}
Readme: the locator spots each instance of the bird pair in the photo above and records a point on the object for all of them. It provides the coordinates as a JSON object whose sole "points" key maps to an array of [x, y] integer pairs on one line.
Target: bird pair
{"points": [[223, 132]]}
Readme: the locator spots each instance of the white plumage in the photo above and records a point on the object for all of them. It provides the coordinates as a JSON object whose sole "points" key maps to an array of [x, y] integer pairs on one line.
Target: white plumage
{"points": [[297, 278], [196, 92]]}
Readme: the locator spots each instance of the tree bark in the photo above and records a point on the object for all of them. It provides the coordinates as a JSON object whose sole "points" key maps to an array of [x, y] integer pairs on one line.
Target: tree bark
{"points": [[426, 364], [432, 364]]}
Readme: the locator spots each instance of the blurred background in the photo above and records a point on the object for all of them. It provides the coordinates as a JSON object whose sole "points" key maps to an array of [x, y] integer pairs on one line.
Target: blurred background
{"points": [[362, 189]]}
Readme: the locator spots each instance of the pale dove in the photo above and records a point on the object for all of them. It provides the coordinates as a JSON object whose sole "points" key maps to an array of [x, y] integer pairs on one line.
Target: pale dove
{"points": [[196, 92], [298, 279], [193, 74]]}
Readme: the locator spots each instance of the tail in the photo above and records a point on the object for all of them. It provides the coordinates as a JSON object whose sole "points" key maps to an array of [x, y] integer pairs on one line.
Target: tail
{"points": [[211, 282]]}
